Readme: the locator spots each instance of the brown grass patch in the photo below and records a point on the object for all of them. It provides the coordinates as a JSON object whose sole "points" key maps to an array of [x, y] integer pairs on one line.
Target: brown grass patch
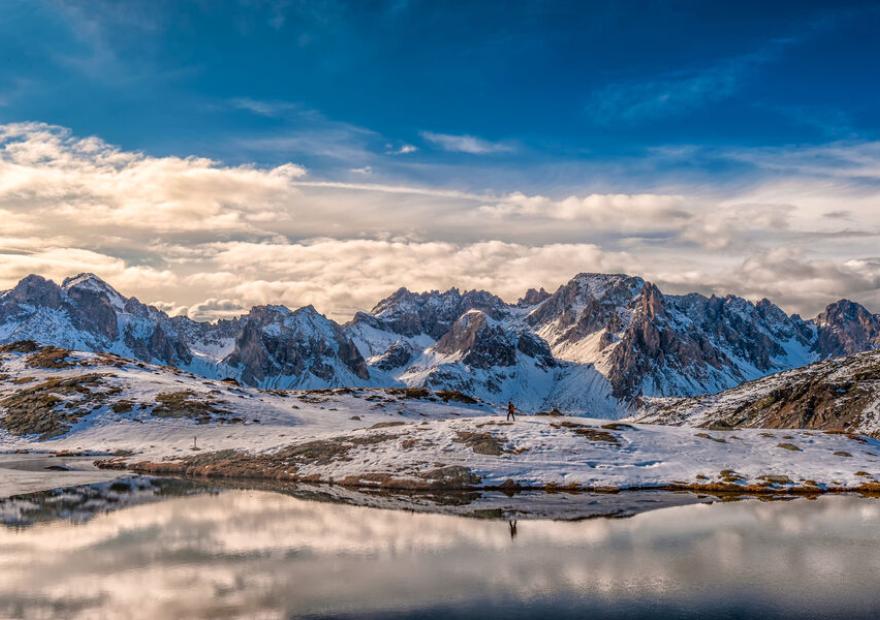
{"points": [[456, 396], [50, 357], [708, 436], [185, 404], [386, 425], [42, 410], [410, 392], [480, 443], [619, 426], [20, 346], [593, 434], [731, 477]]}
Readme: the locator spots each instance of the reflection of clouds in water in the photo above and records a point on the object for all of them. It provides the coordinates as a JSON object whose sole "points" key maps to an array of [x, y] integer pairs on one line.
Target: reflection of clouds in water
{"points": [[255, 552]]}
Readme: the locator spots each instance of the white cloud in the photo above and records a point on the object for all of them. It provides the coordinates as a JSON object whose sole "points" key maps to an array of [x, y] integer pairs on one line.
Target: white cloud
{"points": [[404, 149], [465, 143], [207, 238], [47, 175], [626, 211], [789, 276], [342, 276], [58, 263]]}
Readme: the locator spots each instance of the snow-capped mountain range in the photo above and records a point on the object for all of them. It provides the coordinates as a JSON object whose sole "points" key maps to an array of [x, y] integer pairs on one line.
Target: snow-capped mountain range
{"points": [[594, 346]]}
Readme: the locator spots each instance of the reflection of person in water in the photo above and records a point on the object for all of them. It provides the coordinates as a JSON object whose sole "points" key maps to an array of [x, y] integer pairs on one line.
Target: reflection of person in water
{"points": [[512, 525]]}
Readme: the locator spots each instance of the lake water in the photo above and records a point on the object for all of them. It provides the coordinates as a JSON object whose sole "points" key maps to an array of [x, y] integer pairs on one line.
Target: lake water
{"points": [[190, 552]]}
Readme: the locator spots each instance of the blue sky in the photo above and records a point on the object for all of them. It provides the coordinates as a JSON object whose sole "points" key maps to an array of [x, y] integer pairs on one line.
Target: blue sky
{"points": [[536, 83], [407, 111]]}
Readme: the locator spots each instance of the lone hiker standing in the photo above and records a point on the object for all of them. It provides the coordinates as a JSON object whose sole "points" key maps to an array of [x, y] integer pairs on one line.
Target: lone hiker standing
{"points": [[511, 411]]}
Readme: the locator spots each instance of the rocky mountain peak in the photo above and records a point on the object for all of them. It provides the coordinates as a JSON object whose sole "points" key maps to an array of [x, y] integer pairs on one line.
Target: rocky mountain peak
{"points": [[479, 341], [846, 327], [533, 297], [277, 346], [587, 303], [92, 283], [433, 312], [34, 290], [652, 301]]}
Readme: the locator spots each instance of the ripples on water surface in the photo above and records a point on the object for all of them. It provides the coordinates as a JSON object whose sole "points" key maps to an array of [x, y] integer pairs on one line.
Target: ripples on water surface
{"points": [[251, 553]]}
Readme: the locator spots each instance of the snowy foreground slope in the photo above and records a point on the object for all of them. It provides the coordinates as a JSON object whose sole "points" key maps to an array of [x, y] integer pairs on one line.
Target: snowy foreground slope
{"points": [[148, 418]]}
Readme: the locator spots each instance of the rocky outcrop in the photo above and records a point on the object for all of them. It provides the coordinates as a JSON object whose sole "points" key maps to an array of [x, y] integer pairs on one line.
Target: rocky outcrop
{"points": [[588, 303], [839, 394], [32, 290]]}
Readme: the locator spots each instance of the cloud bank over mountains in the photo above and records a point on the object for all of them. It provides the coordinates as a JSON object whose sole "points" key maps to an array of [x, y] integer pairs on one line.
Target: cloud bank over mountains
{"points": [[801, 229]]}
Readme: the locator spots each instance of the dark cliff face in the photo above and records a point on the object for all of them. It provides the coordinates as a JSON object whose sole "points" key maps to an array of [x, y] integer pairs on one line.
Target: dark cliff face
{"points": [[94, 309], [395, 356], [532, 346], [485, 345], [693, 336], [275, 342], [481, 344], [846, 327]]}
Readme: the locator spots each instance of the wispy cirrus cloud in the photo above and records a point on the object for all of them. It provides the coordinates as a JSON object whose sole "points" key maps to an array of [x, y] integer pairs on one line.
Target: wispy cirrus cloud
{"points": [[268, 108], [464, 143], [674, 95], [678, 92], [303, 131], [845, 159]]}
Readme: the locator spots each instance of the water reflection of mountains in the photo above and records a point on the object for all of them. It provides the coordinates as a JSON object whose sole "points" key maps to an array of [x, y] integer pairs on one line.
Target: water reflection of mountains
{"points": [[79, 504]]}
